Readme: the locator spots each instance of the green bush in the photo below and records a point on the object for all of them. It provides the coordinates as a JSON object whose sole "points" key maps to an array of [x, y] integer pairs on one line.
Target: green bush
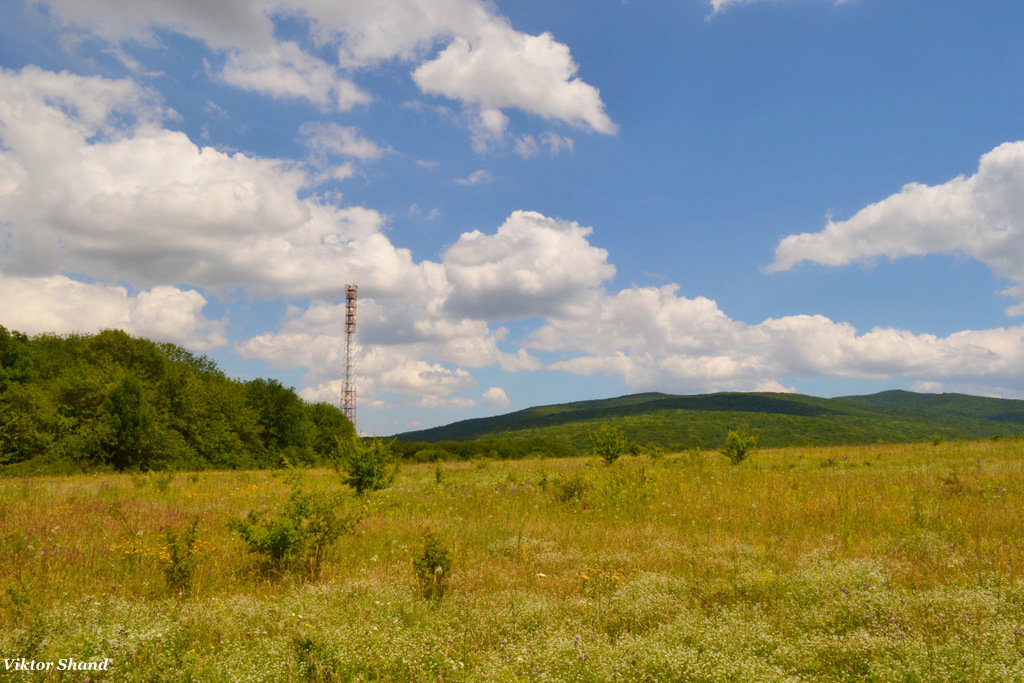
{"points": [[180, 560], [738, 446], [608, 442], [366, 465], [570, 488], [432, 568], [162, 481], [318, 661], [298, 537]]}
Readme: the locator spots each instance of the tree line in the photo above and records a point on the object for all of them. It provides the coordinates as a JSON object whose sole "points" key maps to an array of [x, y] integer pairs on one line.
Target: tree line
{"points": [[110, 401]]}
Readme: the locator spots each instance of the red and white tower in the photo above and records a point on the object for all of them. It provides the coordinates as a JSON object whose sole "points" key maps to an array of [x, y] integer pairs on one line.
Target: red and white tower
{"points": [[348, 391]]}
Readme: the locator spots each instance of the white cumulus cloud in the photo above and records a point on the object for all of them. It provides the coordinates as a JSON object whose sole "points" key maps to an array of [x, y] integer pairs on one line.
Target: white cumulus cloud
{"points": [[505, 68], [655, 339], [83, 191], [532, 265], [981, 216], [57, 304], [496, 398], [486, 64]]}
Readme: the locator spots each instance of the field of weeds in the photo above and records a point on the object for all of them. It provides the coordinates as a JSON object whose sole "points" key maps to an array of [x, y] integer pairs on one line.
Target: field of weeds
{"points": [[856, 563]]}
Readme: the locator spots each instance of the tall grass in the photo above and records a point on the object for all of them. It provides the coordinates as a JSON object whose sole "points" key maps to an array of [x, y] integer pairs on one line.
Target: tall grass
{"points": [[860, 563]]}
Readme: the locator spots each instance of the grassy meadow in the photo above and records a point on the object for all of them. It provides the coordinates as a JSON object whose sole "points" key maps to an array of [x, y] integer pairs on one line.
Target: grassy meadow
{"points": [[888, 563]]}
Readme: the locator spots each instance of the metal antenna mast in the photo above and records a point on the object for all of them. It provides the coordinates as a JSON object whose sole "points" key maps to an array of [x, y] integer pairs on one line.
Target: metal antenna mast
{"points": [[348, 392]]}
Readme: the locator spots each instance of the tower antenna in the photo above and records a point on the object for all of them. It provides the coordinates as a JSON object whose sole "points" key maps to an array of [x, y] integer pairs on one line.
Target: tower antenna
{"points": [[348, 391]]}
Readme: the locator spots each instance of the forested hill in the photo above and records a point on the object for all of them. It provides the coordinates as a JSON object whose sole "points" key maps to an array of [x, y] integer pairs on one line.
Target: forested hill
{"points": [[674, 421], [112, 401]]}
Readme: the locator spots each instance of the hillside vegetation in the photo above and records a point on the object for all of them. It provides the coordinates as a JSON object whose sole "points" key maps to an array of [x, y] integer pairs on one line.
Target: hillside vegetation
{"points": [[112, 401], [702, 421]]}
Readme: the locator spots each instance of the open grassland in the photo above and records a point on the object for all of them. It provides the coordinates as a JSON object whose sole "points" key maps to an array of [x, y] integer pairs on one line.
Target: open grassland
{"points": [[848, 563]]}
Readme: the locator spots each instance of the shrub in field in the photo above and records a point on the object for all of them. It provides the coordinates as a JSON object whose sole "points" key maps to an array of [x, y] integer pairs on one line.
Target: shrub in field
{"points": [[317, 660], [608, 442], [570, 488], [180, 557], [738, 446], [34, 636], [366, 465], [432, 568], [299, 536], [162, 481]]}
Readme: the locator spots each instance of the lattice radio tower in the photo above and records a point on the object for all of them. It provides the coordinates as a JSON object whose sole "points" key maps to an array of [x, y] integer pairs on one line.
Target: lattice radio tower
{"points": [[348, 391]]}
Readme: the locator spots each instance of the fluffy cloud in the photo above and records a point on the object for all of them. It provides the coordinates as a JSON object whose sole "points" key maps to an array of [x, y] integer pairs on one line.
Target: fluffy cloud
{"points": [[367, 33], [410, 377], [533, 265], [330, 139], [283, 70], [981, 216], [380, 371], [496, 398], [502, 68], [81, 191], [477, 177], [655, 339], [60, 305], [486, 65]]}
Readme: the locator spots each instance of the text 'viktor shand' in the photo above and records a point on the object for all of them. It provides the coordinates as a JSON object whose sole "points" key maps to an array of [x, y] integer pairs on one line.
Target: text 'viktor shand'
{"points": [[68, 664]]}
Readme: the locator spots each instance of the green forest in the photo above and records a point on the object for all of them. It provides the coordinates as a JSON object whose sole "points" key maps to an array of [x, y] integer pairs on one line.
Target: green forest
{"points": [[110, 401]]}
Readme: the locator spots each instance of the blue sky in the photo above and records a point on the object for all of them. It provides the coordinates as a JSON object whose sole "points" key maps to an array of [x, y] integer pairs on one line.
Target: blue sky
{"points": [[540, 201]]}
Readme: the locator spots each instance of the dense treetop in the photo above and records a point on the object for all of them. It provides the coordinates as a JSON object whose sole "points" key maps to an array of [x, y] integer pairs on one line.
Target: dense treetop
{"points": [[111, 401]]}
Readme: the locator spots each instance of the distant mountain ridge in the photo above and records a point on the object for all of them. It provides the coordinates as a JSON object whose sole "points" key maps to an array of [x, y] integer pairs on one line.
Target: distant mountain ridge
{"points": [[778, 419]]}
